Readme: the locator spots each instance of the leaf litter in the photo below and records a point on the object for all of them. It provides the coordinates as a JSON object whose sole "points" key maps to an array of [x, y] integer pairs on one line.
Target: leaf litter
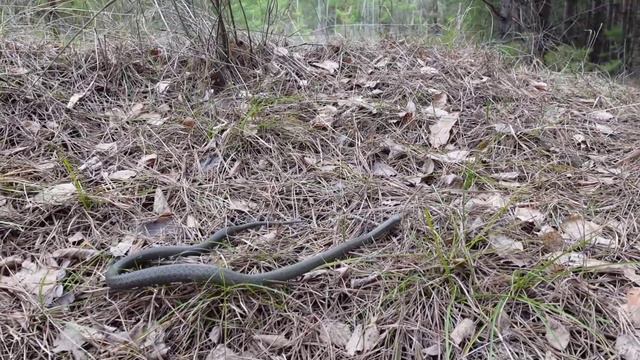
{"points": [[316, 173]]}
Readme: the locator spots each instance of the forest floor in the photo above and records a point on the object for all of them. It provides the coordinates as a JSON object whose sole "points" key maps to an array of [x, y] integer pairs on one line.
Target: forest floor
{"points": [[520, 237]]}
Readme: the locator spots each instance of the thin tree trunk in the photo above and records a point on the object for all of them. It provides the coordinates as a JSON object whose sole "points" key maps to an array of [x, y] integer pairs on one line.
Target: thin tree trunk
{"points": [[569, 19], [597, 22], [506, 12]]}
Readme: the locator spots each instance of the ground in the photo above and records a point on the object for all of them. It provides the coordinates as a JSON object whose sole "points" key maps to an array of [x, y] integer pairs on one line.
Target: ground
{"points": [[519, 191]]}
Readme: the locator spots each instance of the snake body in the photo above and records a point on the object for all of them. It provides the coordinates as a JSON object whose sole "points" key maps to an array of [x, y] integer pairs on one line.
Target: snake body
{"points": [[117, 278]]}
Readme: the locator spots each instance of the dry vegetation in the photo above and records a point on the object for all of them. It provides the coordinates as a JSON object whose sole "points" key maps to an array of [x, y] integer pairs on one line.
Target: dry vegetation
{"points": [[498, 169]]}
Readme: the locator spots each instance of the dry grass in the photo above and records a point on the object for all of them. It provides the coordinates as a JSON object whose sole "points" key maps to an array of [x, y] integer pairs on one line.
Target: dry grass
{"points": [[431, 273]]}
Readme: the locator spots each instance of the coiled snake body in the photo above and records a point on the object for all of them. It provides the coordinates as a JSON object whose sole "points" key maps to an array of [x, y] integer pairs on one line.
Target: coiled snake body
{"points": [[116, 278]]}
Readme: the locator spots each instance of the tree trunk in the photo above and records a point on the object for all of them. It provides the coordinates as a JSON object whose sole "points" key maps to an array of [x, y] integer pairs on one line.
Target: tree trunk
{"points": [[597, 22], [506, 22], [544, 13], [569, 19]]}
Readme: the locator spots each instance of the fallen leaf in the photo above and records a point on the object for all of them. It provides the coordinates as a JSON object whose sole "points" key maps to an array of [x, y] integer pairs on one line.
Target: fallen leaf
{"points": [[334, 332], [557, 335], [325, 117], [40, 281], [506, 175], [433, 350], [504, 245], [122, 175], [148, 160], [439, 100], [576, 229], [154, 345], [439, 132], [409, 112], [605, 129], [328, 65], [538, 85], [72, 337], [77, 253], [360, 282], [136, 110], [215, 334], [629, 273], [164, 108], [160, 205], [192, 223], [601, 115], [395, 149], [162, 86], [551, 239], [93, 163], [503, 128], [632, 306], [490, 201], [221, 352], [382, 169], [382, 62], [241, 205], [456, 156], [107, 146], [628, 347], [55, 195], [73, 100], [152, 118], [581, 261], [463, 330], [122, 247], [189, 122], [363, 339], [529, 215], [275, 341]]}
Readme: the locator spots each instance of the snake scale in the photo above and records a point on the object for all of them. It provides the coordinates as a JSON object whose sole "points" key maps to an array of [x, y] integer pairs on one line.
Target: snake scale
{"points": [[118, 279]]}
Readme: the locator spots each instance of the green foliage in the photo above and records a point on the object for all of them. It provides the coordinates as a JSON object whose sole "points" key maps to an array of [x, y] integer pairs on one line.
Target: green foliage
{"points": [[568, 58], [615, 34]]}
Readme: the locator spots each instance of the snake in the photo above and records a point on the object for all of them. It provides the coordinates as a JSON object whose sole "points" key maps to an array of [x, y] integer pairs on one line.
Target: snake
{"points": [[118, 278]]}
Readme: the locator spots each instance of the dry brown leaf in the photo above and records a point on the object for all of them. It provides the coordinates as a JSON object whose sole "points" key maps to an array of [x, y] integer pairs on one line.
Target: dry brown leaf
{"points": [[601, 115], [433, 350], [539, 85], [630, 273], [154, 345], [382, 169], [325, 117], [334, 332], [463, 330], [576, 229], [40, 281], [605, 129], [557, 335], [112, 146], [33, 126], [440, 131], [632, 307], [504, 245], [17, 70], [76, 253], [162, 86], [55, 195], [72, 337], [359, 282], [274, 341], [93, 163], [529, 215], [506, 175], [192, 223], [189, 122], [160, 205], [328, 65], [242, 205], [439, 100], [581, 261], [152, 118], [122, 247], [73, 100], [363, 339], [148, 160], [215, 334], [122, 175], [221, 352], [453, 157], [628, 347], [395, 149]]}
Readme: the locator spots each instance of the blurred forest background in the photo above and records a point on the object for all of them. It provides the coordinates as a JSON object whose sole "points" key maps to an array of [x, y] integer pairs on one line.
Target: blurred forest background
{"points": [[572, 35]]}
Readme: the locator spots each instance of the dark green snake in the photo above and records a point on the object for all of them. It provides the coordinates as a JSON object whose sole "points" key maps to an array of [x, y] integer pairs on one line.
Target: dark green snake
{"points": [[117, 278]]}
